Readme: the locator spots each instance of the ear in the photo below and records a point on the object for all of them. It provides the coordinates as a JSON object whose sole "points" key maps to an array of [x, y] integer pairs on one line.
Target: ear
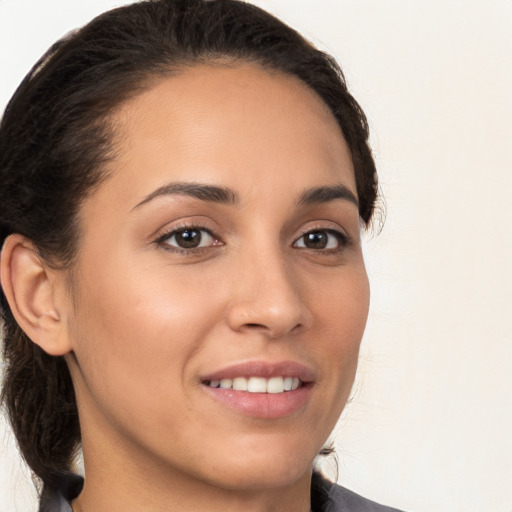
{"points": [[30, 288]]}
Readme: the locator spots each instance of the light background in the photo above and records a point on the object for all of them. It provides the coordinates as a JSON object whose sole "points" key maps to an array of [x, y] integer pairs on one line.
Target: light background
{"points": [[430, 426]]}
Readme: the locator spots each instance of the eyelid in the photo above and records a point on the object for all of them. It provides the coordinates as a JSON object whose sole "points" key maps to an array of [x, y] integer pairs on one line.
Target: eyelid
{"points": [[343, 238], [184, 226]]}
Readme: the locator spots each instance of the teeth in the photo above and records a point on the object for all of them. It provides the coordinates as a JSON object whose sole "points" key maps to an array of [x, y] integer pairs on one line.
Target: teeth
{"points": [[258, 384], [275, 385], [226, 383], [240, 384]]}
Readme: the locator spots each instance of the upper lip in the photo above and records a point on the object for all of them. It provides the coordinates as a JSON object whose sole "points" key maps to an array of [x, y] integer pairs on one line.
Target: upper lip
{"points": [[263, 369]]}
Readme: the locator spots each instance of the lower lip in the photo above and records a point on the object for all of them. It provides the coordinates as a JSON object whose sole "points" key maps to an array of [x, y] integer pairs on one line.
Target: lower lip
{"points": [[262, 405]]}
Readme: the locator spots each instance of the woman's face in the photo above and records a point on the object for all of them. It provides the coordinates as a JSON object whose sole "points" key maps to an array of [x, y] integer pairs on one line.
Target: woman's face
{"points": [[225, 247]]}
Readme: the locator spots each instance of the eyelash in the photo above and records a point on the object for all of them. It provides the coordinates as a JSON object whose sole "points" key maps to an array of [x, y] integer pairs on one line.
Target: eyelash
{"points": [[342, 239], [160, 241]]}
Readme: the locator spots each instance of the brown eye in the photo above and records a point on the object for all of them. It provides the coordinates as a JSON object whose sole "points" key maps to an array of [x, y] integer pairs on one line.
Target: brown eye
{"points": [[189, 238], [321, 239]]}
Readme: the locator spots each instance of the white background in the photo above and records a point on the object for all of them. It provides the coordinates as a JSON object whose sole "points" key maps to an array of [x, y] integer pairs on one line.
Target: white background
{"points": [[430, 425]]}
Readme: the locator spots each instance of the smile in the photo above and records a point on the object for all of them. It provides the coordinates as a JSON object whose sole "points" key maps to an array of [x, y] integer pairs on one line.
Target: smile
{"points": [[261, 389], [257, 384]]}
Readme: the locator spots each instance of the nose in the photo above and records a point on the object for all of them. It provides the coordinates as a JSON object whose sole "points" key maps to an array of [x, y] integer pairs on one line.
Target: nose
{"points": [[267, 298]]}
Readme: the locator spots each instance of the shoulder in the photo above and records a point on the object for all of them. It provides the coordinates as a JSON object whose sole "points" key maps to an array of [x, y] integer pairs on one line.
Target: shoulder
{"points": [[335, 498], [348, 501], [57, 498]]}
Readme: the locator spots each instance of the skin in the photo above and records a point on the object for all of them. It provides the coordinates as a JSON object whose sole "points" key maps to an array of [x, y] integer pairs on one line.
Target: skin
{"points": [[144, 321]]}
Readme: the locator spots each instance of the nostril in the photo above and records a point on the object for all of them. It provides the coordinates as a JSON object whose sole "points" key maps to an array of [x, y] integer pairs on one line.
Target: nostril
{"points": [[264, 316], [272, 331]]}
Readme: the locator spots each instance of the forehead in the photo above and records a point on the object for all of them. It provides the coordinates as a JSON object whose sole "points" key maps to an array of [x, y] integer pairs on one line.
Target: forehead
{"points": [[239, 125]]}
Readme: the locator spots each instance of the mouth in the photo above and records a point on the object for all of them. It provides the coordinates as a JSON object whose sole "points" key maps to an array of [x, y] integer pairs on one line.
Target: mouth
{"points": [[272, 385], [261, 390]]}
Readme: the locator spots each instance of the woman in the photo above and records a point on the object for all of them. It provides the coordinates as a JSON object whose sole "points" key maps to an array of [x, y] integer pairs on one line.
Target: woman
{"points": [[184, 293]]}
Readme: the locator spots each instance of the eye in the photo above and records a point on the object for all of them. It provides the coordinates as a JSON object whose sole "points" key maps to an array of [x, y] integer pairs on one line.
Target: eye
{"points": [[321, 239], [188, 238]]}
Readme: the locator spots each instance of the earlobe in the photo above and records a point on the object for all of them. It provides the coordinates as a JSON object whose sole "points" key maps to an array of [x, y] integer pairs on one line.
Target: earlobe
{"points": [[29, 286]]}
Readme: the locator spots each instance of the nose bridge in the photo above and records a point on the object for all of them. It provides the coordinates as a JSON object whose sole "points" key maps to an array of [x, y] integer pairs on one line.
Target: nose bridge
{"points": [[267, 295]]}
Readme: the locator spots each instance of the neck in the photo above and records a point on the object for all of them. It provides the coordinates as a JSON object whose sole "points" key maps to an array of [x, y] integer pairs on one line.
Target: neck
{"points": [[122, 492], [114, 485]]}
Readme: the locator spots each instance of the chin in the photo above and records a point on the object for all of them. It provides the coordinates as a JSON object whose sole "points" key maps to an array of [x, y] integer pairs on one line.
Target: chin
{"points": [[267, 469], [254, 480]]}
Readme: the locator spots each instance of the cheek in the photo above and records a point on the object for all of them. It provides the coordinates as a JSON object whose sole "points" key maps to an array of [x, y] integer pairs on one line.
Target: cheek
{"points": [[135, 332], [341, 311], [341, 306], [144, 306]]}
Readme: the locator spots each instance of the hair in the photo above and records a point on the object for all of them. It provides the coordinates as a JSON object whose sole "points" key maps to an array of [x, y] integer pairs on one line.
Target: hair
{"points": [[55, 138]]}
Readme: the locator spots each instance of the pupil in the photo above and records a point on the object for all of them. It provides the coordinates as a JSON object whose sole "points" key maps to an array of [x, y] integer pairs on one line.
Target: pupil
{"points": [[188, 239], [316, 240]]}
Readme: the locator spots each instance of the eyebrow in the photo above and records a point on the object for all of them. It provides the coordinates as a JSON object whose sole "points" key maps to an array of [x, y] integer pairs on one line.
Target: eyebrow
{"points": [[224, 195], [326, 194], [211, 193]]}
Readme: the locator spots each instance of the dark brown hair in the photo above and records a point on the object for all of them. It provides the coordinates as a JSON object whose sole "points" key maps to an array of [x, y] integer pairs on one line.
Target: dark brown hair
{"points": [[55, 138]]}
